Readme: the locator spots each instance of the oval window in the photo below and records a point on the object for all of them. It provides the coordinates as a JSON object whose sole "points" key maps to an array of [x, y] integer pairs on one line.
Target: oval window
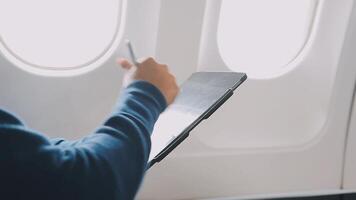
{"points": [[63, 35], [261, 37]]}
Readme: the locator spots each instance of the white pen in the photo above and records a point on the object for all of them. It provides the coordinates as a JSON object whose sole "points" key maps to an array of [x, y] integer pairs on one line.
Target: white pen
{"points": [[132, 53]]}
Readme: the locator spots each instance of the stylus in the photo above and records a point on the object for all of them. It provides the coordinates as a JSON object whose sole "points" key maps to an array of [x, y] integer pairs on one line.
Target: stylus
{"points": [[132, 53]]}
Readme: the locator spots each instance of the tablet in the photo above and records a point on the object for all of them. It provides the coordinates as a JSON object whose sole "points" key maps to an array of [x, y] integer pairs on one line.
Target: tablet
{"points": [[200, 96]]}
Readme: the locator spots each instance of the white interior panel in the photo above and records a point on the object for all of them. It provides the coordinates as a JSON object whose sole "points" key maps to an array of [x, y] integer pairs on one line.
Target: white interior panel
{"points": [[350, 162], [350, 157], [278, 135], [284, 133], [179, 35], [72, 107], [298, 100]]}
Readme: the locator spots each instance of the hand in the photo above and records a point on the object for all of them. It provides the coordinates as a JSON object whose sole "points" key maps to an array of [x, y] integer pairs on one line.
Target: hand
{"points": [[156, 74]]}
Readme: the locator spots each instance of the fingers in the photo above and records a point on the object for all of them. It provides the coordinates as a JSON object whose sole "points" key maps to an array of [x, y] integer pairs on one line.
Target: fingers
{"points": [[164, 66], [128, 65], [124, 63], [147, 61]]}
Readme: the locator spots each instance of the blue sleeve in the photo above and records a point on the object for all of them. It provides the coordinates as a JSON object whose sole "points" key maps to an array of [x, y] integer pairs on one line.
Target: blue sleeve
{"points": [[108, 164]]}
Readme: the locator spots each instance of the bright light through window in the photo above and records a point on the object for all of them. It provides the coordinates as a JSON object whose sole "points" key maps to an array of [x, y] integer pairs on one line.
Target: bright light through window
{"points": [[262, 37], [60, 34]]}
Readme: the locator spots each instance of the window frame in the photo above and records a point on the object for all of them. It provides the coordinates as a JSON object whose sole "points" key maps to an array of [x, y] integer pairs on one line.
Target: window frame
{"points": [[88, 66], [294, 61]]}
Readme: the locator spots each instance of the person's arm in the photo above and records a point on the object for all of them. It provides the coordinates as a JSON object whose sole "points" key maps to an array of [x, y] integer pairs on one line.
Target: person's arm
{"points": [[6, 118], [112, 161], [127, 133], [108, 164]]}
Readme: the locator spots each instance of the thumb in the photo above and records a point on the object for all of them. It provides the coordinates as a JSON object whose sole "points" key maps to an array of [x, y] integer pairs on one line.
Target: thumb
{"points": [[125, 64]]}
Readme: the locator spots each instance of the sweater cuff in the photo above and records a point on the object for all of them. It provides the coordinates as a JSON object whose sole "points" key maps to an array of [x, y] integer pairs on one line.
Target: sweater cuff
{"points": [[152, 90]]}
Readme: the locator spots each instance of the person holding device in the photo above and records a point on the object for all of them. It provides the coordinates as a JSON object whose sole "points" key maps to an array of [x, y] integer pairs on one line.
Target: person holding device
{"points": [[108, 164]]}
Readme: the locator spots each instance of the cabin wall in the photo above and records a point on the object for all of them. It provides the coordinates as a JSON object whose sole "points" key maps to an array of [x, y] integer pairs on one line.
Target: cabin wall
{"points": [[246, 147], [350, 150], [284, 135], [72, 107]]}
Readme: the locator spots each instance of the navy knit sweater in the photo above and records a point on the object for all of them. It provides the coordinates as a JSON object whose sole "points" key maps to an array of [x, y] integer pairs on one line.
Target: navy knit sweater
{"points": [[106, 165]]}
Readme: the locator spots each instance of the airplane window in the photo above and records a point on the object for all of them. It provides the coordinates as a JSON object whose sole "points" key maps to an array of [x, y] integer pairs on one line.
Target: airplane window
{"points": [[261, 37], [58, 35]]}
